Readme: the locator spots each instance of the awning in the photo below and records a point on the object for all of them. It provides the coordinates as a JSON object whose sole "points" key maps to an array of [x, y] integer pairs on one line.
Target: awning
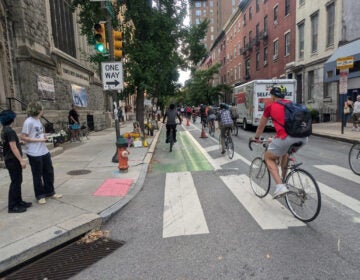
{"points": [[350, 49]]}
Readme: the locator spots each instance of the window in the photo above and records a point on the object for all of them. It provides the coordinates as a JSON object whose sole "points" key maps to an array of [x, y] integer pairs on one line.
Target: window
{"points": [[310, 85], [257, 5], [247, 69], [330, 10], [257, 61], [244, 41], [250, 38], [287, 7], [314, 32], [301, 2], [265, 24], [301, 40], [265, 56], [62, 27], [287, 44], [244, 19], [197, 4], [250, 13], [276, 14], [257, 32], [198, 13], [276, 49]]}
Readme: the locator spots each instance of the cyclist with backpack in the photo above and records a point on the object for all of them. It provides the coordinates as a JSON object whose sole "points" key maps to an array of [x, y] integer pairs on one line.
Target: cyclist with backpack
{"points": [[225, 123], [277, 150]]}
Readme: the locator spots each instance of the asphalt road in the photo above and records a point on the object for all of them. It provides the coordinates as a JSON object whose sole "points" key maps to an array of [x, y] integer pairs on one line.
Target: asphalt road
{"points": [[222, 239]]}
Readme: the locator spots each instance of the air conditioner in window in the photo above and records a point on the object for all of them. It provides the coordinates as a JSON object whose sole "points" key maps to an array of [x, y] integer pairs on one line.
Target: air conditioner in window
{"points": [[275, 22], [275, 57]]}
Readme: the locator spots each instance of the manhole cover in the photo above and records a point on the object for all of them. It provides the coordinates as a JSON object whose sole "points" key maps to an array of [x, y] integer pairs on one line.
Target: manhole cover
{"points": [[79, 172], [68, 261]]}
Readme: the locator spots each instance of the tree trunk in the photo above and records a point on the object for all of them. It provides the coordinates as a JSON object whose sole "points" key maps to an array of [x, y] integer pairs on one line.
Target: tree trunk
{"points": [[140, 109]]}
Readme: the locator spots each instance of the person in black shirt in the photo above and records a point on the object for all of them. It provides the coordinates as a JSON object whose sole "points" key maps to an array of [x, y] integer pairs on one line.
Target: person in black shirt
{"points": [[13, 162], [74, 123], [171, 115]]}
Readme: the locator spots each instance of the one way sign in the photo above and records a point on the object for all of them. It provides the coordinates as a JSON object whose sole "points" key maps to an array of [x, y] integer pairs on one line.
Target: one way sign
{"points": [[112, 75]]}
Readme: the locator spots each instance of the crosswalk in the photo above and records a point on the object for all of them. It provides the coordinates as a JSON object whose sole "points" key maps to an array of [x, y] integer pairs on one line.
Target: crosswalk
{"points": [[183, 213]]}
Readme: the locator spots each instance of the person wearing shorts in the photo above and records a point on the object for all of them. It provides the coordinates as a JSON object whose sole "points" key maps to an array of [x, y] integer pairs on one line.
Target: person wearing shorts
{"points": [[280, 144], [74, 124]]}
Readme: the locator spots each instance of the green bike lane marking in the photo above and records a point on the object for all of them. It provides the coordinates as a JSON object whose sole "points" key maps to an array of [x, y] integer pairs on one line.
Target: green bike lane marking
{"points": [[184, 157]]}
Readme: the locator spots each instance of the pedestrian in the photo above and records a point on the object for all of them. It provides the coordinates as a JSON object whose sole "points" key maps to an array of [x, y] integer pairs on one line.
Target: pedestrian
{"points": [[356, 114], [277, 150], [348, 108], [14, 162], [74, 124], [38, 154], [225, 123]]}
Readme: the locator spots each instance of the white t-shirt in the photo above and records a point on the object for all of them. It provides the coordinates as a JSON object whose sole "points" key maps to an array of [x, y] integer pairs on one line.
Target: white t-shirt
{"points": [[356, 107], [34, 129]]}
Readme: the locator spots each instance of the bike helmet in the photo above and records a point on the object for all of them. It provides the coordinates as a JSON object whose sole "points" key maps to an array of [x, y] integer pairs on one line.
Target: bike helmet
{"points": [[223, 106], [278, 91]]}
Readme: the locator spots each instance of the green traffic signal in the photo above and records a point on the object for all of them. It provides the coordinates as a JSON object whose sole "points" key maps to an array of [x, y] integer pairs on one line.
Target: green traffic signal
{"points": [[99, 47]]}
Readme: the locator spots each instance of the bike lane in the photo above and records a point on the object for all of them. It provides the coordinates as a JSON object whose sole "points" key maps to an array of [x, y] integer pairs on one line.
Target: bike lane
{"points": [[184, 157]]}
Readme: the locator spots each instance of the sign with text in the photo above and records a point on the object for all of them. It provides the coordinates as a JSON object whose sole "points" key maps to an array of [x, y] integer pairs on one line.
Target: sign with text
{"points": [[343, 81], [345, 62], [112, 75]]}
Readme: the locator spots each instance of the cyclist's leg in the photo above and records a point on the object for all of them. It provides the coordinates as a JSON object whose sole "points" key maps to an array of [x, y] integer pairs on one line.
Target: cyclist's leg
{"points": [[174, 129], [167, 133], [222, 138]]}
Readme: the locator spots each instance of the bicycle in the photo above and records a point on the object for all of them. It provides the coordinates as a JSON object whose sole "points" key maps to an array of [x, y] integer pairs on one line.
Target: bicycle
{"points": [[304, 197], [354, 158], [211, 127], [171, 138], [228, 142]]}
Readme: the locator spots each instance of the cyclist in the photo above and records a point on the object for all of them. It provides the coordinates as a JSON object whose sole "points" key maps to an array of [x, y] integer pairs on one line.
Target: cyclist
{"points": [[225, 123], [171, 115], [203, 114], [211, 116], [281, 142]]}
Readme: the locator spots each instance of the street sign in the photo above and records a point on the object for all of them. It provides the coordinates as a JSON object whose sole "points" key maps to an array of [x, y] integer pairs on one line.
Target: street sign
{"points": [[343, 79], [112, 75], [345, 62]]}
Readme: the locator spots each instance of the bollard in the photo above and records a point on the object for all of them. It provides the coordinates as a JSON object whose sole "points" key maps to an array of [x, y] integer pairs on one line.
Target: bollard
{"points": [[123, 154]]}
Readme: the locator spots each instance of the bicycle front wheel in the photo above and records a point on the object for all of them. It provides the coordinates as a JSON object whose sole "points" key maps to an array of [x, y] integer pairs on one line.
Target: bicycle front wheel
{"points": [[259, 177], [354, 158], [303, 198], [229, 147]]}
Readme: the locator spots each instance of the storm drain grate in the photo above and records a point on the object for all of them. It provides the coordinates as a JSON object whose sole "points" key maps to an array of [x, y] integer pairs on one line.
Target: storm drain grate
{"points": [[79, 172], [66, 262]]}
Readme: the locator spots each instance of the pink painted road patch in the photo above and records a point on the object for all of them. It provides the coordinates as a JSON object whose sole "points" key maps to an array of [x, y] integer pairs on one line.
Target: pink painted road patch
{"points": [[114, 187]]}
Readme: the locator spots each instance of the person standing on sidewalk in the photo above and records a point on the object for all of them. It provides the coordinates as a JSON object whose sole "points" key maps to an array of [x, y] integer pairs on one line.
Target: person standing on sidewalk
{"points": [[38, 154], [348, 108], [14, 162], [74, 124], [356, 114]]}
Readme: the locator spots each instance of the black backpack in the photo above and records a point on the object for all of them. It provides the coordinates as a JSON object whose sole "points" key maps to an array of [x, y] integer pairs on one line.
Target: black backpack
{"points": [[297, 119]]}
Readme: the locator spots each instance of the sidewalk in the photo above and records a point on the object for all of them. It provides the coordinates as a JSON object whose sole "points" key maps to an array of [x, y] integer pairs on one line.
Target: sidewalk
{"points": [[44, 227]]}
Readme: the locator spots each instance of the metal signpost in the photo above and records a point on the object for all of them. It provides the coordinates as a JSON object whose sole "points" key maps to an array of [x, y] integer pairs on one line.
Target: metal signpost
{"points": [[343, 64]]}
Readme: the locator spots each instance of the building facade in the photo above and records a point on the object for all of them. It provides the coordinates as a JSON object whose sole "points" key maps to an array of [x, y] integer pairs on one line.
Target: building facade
{"points": [[217, 11], [45, 58]]}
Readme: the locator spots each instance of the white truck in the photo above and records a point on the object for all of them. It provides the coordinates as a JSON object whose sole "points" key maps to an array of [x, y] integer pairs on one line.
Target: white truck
{"points": [[252, 97]]}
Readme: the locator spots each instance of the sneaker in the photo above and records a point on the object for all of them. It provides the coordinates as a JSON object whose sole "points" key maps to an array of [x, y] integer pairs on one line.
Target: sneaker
{"points": [[42, 201], [280, 190], [353, 129], [56, 196], [17, 209], [223, 152], [25, 204]]}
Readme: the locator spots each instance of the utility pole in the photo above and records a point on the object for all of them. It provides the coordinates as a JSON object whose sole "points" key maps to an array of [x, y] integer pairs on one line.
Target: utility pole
{"points": [[115, 98]]}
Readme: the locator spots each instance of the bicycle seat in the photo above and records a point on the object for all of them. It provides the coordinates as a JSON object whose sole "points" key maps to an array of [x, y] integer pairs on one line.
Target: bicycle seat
{"points": [[295, 147]]}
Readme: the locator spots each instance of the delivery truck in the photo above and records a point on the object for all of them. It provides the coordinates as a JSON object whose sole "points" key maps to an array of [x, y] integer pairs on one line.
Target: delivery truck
{"points": [[252, 97]]}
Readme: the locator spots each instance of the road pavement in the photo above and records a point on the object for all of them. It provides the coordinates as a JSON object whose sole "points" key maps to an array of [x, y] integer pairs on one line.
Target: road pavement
{"points": [[80, 170]]}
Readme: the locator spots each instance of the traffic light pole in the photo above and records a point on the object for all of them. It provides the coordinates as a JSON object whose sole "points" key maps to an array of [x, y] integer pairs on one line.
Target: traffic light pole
{"points": [[115, 98]]}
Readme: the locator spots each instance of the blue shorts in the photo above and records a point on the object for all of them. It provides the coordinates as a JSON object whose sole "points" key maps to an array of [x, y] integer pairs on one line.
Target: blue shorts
{"points": [[75, 126], [279, 147]]}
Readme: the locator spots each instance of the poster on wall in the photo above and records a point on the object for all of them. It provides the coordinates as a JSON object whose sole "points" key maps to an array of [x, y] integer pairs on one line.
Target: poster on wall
{"points": [[46, 88], [79, 95]]}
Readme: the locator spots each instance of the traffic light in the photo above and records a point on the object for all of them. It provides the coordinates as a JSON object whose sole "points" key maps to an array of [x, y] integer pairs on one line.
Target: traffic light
{"points": [[100, 37], [117, 39]]}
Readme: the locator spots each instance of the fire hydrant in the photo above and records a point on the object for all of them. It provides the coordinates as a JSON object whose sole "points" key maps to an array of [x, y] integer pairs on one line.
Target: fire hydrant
{"points": [[123, 154]]}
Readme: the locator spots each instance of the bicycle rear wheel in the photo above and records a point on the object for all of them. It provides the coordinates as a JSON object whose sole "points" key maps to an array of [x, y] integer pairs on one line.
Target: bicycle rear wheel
{"points": [[229, 146], [211, 128], [259, 177], [171, 139], [303, 198], [354, 158]]}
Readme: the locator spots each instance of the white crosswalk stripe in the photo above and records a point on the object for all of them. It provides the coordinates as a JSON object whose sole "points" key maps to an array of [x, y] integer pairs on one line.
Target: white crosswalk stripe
{"points": [[183, 214], [267, 212], [342, 172]]}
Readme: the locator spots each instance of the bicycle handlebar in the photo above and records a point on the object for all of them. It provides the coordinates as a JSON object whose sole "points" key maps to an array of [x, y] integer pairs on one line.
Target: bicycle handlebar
{"points": [[261, 141]]}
